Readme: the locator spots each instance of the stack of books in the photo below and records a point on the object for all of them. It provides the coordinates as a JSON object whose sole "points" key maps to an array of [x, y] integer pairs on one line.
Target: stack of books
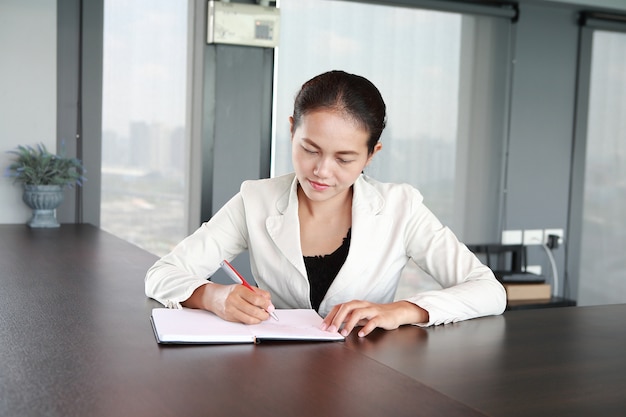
{"points": [[524, 291], [525, 286]]}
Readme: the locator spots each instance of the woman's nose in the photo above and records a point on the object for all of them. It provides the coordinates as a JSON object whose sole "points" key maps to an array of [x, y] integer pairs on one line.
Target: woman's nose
{"points": [[322, 168]]}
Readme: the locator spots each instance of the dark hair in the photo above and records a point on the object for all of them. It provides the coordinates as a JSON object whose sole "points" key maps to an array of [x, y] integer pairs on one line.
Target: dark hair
{"points": [[350, 94]]}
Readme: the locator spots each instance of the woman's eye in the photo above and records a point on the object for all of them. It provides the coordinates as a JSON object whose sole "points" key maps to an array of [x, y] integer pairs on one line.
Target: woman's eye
{"points": [[309, 151]]}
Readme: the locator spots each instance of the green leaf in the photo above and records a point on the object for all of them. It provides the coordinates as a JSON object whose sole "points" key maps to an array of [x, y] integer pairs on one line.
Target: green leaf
{"points": [[37, 166]]}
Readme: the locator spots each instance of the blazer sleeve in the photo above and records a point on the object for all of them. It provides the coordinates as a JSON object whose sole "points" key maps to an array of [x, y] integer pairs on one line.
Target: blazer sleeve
{"points": [[174, 277], [470, 288]]}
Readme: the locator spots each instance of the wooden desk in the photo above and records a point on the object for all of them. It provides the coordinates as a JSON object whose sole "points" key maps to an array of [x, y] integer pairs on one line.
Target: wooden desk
{"points": [[75, 340], [568, 361]]}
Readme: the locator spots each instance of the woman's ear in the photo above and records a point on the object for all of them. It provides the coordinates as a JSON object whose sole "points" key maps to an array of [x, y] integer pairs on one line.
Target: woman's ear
{"points": [[377, 148], [291, 125]]}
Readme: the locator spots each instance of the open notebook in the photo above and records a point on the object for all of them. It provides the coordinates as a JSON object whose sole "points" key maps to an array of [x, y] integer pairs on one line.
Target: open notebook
{"points": [[200, 326]]}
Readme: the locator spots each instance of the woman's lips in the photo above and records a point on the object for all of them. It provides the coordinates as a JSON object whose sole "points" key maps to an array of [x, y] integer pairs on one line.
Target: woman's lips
{"points": [[318, 186]]}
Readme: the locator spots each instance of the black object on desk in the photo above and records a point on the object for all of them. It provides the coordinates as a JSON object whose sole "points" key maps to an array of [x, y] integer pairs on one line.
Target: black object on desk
{"points": [[508, 262]]}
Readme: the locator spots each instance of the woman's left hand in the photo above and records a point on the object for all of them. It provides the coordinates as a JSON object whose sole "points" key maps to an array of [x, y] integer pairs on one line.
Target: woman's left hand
{"points": [[372, 315]]}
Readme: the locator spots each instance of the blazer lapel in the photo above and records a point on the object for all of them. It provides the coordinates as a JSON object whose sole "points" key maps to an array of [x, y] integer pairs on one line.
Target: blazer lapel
{"points": [[284, 229], [369, 228]]}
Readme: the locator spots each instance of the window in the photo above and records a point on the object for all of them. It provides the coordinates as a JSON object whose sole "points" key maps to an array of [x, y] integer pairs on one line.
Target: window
{"points": [[144, 146], [443, 76], [603, 236], [419, 82], [424, 64]]}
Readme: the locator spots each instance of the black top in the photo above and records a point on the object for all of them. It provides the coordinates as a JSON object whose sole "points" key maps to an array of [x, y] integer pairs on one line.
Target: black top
{"points": [[323, 269]]}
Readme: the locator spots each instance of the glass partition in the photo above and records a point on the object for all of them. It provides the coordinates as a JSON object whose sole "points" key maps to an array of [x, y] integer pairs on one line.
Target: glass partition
{"points": [[602, 278], [144, 149]]}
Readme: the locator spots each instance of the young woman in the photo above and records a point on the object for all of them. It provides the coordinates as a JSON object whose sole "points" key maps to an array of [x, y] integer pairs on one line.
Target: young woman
{"points": [[327, 236]]}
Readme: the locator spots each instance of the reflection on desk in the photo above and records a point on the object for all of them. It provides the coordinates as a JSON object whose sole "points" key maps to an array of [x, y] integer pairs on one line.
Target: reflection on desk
{"points": [[76, 340], [546, 362], [544, 303]]}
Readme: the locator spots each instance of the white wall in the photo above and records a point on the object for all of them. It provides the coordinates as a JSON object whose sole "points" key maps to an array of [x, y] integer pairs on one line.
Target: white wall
{"points": [[28, 78]]}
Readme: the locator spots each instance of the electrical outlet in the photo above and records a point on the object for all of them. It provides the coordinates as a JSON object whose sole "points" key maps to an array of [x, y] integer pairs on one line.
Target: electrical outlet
{"points": [[511, 237], [533, 237], [556, 232]]}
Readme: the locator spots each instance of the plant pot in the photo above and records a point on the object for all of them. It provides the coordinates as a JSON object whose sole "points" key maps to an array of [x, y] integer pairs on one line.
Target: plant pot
{"points": [[43, 200]]}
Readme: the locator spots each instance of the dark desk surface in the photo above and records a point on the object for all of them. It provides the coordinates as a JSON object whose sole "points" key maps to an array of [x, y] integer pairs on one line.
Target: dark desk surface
{"points": [[568, 361], [75, 340], [543, 303]]}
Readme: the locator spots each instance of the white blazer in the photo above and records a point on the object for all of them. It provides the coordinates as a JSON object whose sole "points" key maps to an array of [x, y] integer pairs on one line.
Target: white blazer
{"points": [[390, 225]]}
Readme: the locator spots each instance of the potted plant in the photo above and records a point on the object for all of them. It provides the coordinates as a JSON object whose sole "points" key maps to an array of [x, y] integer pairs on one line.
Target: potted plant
{"points": [[44, 175]]}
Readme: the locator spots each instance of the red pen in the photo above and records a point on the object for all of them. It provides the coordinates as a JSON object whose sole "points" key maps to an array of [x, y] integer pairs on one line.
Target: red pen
{"points": [[236, 276]]}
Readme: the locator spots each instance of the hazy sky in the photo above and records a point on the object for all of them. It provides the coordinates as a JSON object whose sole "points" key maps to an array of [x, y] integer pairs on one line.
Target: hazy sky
{"points": [[145, 60]]}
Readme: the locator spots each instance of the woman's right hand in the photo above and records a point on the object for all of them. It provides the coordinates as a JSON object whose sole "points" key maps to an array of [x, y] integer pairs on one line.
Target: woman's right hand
{"points": [[232, 302]]}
